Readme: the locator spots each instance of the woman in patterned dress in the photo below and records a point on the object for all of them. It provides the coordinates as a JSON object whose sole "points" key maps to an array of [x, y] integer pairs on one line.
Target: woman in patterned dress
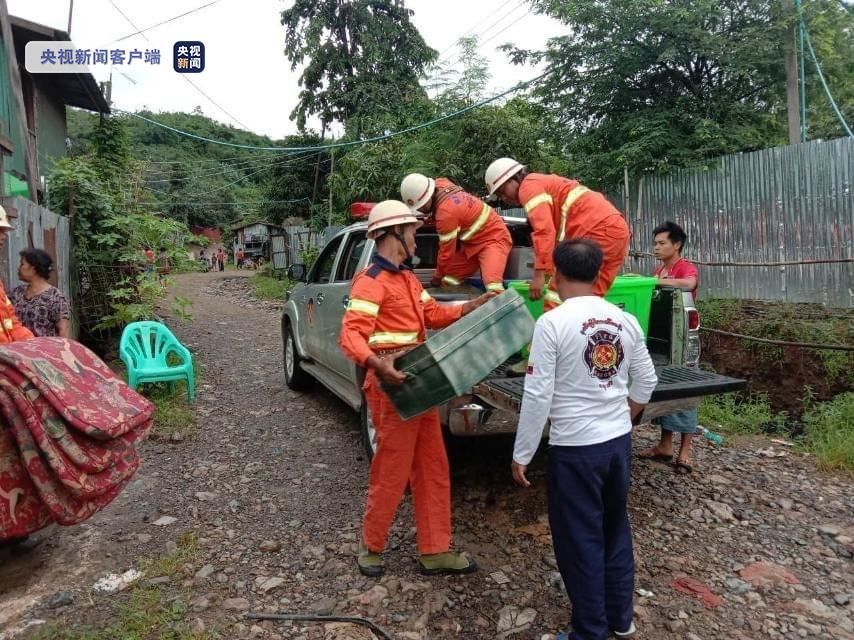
{"points": [[41, 307]]}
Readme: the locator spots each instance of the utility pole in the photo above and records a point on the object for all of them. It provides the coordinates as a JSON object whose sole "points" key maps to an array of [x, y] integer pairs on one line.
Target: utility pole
{"points": [[793, 98], [70, 13], [329, 185]]}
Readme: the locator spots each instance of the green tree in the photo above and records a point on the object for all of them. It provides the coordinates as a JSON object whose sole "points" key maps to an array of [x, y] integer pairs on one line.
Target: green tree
{"points": [[831, 28], [473, 77], [653, 84], [359, 57], [296, 180], [459, 149]]}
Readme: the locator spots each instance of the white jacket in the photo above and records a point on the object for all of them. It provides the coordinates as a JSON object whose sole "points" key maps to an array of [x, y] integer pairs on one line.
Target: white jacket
{"points": [[587, 358]]}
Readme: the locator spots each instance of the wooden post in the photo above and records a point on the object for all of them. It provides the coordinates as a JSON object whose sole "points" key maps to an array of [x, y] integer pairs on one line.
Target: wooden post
{"points": [[18, 96], [793, 100]]}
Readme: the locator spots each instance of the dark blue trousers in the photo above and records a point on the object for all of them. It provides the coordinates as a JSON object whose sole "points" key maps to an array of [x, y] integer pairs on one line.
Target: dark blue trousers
{"points": [[588, 490]]}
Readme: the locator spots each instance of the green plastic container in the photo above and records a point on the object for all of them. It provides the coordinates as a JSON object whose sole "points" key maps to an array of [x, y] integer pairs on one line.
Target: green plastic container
{"points": [[521, 287], [455, 359], [631, 292]]}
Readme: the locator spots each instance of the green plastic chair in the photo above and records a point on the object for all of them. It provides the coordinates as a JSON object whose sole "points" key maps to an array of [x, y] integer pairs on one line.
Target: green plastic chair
{"points": [[145, 348]]}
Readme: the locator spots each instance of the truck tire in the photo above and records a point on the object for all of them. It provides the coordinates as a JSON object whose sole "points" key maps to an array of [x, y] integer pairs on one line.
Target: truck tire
{"points": [[295, 377], [369, 433]]}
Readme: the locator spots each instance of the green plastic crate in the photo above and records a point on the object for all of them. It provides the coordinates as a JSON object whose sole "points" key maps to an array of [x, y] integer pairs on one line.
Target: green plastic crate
{"points": [[455, 359], [630, 292]]}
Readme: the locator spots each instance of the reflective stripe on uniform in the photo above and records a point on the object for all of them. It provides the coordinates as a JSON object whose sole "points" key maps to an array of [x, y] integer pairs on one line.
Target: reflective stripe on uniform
{"points": [[571, 197], [478, 224], [425, 297], [393, 337], [451, 281], [451, 235], [8, 324], [552, 296], [536, 201], [363, 306], [495, 286]]}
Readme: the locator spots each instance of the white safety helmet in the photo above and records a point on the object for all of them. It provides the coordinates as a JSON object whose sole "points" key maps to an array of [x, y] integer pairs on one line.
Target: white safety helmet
{"points": [[416, 190], [500, 172], [4, 220], [389, 213]]}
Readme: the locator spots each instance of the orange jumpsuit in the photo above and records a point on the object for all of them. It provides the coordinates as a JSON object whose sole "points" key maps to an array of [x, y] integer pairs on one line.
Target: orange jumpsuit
{"points": [[12, 329], [388, 311], [466, 223], [559, 209]]}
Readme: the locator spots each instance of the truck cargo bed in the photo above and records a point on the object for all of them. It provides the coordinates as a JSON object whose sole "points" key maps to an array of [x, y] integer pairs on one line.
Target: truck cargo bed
{"points": [[674, 383]]}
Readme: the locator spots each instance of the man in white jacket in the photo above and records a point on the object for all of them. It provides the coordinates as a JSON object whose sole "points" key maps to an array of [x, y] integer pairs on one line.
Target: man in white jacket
{"points": [[589, 373]]}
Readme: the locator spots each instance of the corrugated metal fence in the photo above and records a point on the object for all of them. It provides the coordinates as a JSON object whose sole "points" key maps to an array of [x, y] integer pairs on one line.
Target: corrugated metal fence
{"points": [[777, 205], [287, 249], [39, 228]]}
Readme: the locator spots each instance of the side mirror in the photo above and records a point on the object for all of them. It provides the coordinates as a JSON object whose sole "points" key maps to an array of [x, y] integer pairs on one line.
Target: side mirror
{"points": [[297, 272]]}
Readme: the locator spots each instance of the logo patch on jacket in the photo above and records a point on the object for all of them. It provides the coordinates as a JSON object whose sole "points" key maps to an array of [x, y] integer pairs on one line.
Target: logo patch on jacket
{"points": [[530, 370], [604, 354]]}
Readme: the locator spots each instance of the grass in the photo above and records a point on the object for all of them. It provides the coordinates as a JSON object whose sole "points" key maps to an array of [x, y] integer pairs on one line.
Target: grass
{"points": [[827, 429], [145, 612], [829, 432], [269, 288], [172, 564], [172, 413], [741, 415]]}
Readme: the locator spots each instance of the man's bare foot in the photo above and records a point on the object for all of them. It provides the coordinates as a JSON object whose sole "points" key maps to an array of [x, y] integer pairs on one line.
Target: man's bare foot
{"points": [[657, 453]]}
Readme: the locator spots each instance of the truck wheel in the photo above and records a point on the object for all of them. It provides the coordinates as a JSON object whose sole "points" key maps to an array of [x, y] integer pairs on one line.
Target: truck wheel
{"points": [[369, 432], [295, 377]]}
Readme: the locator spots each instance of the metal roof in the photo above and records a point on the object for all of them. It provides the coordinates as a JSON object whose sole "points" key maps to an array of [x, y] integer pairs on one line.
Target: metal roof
{"points": [[243, 225], [76, 89]]}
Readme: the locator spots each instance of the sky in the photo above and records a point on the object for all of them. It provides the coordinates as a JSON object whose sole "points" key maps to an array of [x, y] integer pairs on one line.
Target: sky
{"points": [[259, 97]]}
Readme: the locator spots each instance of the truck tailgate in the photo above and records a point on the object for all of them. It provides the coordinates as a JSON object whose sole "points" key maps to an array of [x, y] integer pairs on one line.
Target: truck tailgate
{"points": [[674, 383]]}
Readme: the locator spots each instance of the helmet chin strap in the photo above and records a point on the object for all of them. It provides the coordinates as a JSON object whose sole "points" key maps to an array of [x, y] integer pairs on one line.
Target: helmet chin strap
{"points": [[402, 243]]}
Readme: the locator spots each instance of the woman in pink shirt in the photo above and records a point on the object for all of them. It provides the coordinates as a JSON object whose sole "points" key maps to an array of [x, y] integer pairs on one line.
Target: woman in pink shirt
{"points": [[677, 272]]}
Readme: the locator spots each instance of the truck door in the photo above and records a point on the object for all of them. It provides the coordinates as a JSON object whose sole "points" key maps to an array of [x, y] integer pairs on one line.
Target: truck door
{"points": [[314, 298], [354, 257]]}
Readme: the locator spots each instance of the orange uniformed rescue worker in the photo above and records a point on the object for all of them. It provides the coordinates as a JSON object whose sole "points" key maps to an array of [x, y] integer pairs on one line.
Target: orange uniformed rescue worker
{"points": [[560, 208], [11, 329], [472, 235], [388, 314]]}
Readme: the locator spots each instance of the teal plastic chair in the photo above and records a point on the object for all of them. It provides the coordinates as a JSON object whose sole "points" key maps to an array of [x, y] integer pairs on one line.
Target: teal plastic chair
{"points": [[145, 348]]}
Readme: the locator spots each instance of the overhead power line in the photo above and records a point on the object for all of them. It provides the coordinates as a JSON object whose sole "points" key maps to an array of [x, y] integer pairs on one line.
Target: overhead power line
{"points": [[203, 204], [470, 31], [184, 76], [483, 32], [214, 102], [228, 168], [513, 23], [207, 172], [160, 24], [240, 160], [351, 143]]}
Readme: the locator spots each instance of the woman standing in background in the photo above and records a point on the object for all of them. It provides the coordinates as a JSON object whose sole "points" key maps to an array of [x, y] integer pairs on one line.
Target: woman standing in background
{"points": [[41, 307]]}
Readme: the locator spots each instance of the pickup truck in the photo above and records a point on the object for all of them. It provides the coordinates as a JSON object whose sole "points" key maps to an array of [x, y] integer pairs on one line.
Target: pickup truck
{"points": [[314, 310]]}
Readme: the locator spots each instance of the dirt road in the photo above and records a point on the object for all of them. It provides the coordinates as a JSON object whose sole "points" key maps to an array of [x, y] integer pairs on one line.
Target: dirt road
{"points": [[259, 510]]}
